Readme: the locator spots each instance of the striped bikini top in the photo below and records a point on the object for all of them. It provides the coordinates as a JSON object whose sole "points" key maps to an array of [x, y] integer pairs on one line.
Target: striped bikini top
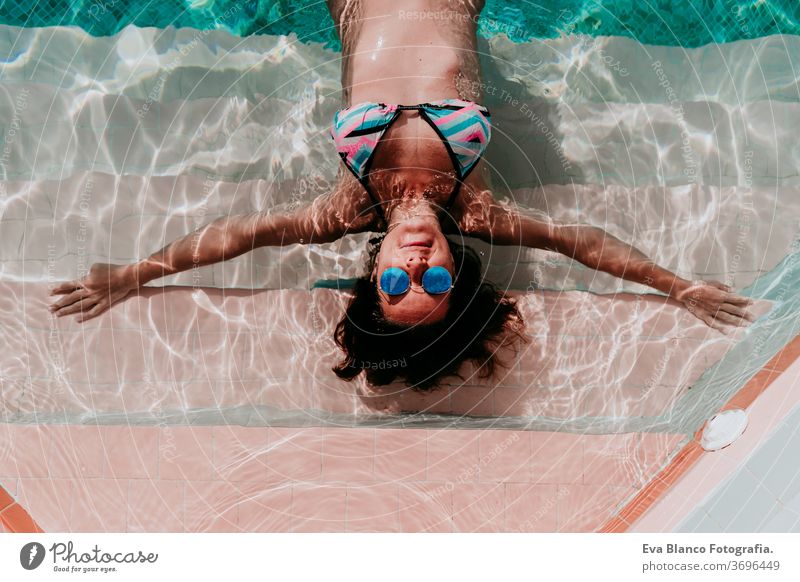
{"points": [[463, 126]]}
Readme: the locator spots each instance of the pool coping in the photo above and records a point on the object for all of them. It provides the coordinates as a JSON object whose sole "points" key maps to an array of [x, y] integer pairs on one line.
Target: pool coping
{"points": [[13, 517], [692, 452]]}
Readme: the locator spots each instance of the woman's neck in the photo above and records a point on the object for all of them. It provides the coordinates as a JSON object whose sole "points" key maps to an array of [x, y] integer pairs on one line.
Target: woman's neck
{"points": [[404, 209]]}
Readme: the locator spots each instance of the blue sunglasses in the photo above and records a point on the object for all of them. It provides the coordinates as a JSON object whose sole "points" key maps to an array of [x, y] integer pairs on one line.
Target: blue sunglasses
{"points": [[435, 280]]}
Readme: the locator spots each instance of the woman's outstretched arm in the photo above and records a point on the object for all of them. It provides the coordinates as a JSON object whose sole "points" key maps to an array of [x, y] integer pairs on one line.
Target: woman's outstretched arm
{"points": [[324, 220], [711, 301], [230, 236]]}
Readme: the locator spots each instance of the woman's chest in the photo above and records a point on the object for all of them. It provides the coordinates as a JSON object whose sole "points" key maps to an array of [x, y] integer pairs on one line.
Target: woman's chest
{"points": [[411, 157]]}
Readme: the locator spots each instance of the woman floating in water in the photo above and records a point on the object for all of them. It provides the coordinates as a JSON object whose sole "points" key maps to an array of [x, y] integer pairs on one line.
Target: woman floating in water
{"points": [[410, 136]]}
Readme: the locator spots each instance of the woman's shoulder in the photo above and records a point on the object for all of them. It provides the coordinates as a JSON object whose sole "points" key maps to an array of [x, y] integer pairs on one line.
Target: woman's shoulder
{"points": [[474, 209], [350, 205]]}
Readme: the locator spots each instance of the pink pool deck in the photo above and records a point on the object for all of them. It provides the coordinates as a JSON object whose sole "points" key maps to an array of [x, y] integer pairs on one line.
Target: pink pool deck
{"points": [[231, 478], [228, 478]]}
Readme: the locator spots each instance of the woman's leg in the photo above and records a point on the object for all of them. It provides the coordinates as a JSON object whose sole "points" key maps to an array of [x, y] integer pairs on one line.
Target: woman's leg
{"points": [[468, 78], [346, 15]]}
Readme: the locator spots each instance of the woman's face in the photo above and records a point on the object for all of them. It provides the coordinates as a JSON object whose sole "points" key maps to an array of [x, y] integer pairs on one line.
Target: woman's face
{"points": [[414, 245]]}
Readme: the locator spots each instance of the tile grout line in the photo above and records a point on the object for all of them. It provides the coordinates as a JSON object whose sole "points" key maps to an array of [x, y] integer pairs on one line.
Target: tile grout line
{"points": [[128, 507]]}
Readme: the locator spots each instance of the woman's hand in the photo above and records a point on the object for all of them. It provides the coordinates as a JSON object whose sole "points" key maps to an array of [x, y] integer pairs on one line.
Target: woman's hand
{"points": [[102, 287], [714, 304]]}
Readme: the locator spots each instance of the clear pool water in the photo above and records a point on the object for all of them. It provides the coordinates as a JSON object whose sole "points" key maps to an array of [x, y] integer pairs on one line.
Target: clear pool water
{"points": [[127, 125]]}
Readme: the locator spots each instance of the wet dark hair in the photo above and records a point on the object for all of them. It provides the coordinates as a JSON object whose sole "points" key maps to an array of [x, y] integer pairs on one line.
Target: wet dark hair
{"points": [[479, 320]]}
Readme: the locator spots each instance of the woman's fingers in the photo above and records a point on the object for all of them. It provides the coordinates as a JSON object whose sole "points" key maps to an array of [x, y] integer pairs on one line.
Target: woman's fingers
{"points": [[737, 299], [718, 307], [69, 299], [726, 317], [741, 312], [66, 287], [93, 312], [706, 317], [78, 306]]}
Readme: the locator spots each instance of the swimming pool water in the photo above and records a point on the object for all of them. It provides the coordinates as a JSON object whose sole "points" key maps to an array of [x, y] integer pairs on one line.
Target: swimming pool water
{"points": [[687, 23], [688, 153], [618, 114]]}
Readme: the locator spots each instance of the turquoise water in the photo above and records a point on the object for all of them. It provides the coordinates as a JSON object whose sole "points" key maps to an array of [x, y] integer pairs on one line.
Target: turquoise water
{"points": [[687, 23]]}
